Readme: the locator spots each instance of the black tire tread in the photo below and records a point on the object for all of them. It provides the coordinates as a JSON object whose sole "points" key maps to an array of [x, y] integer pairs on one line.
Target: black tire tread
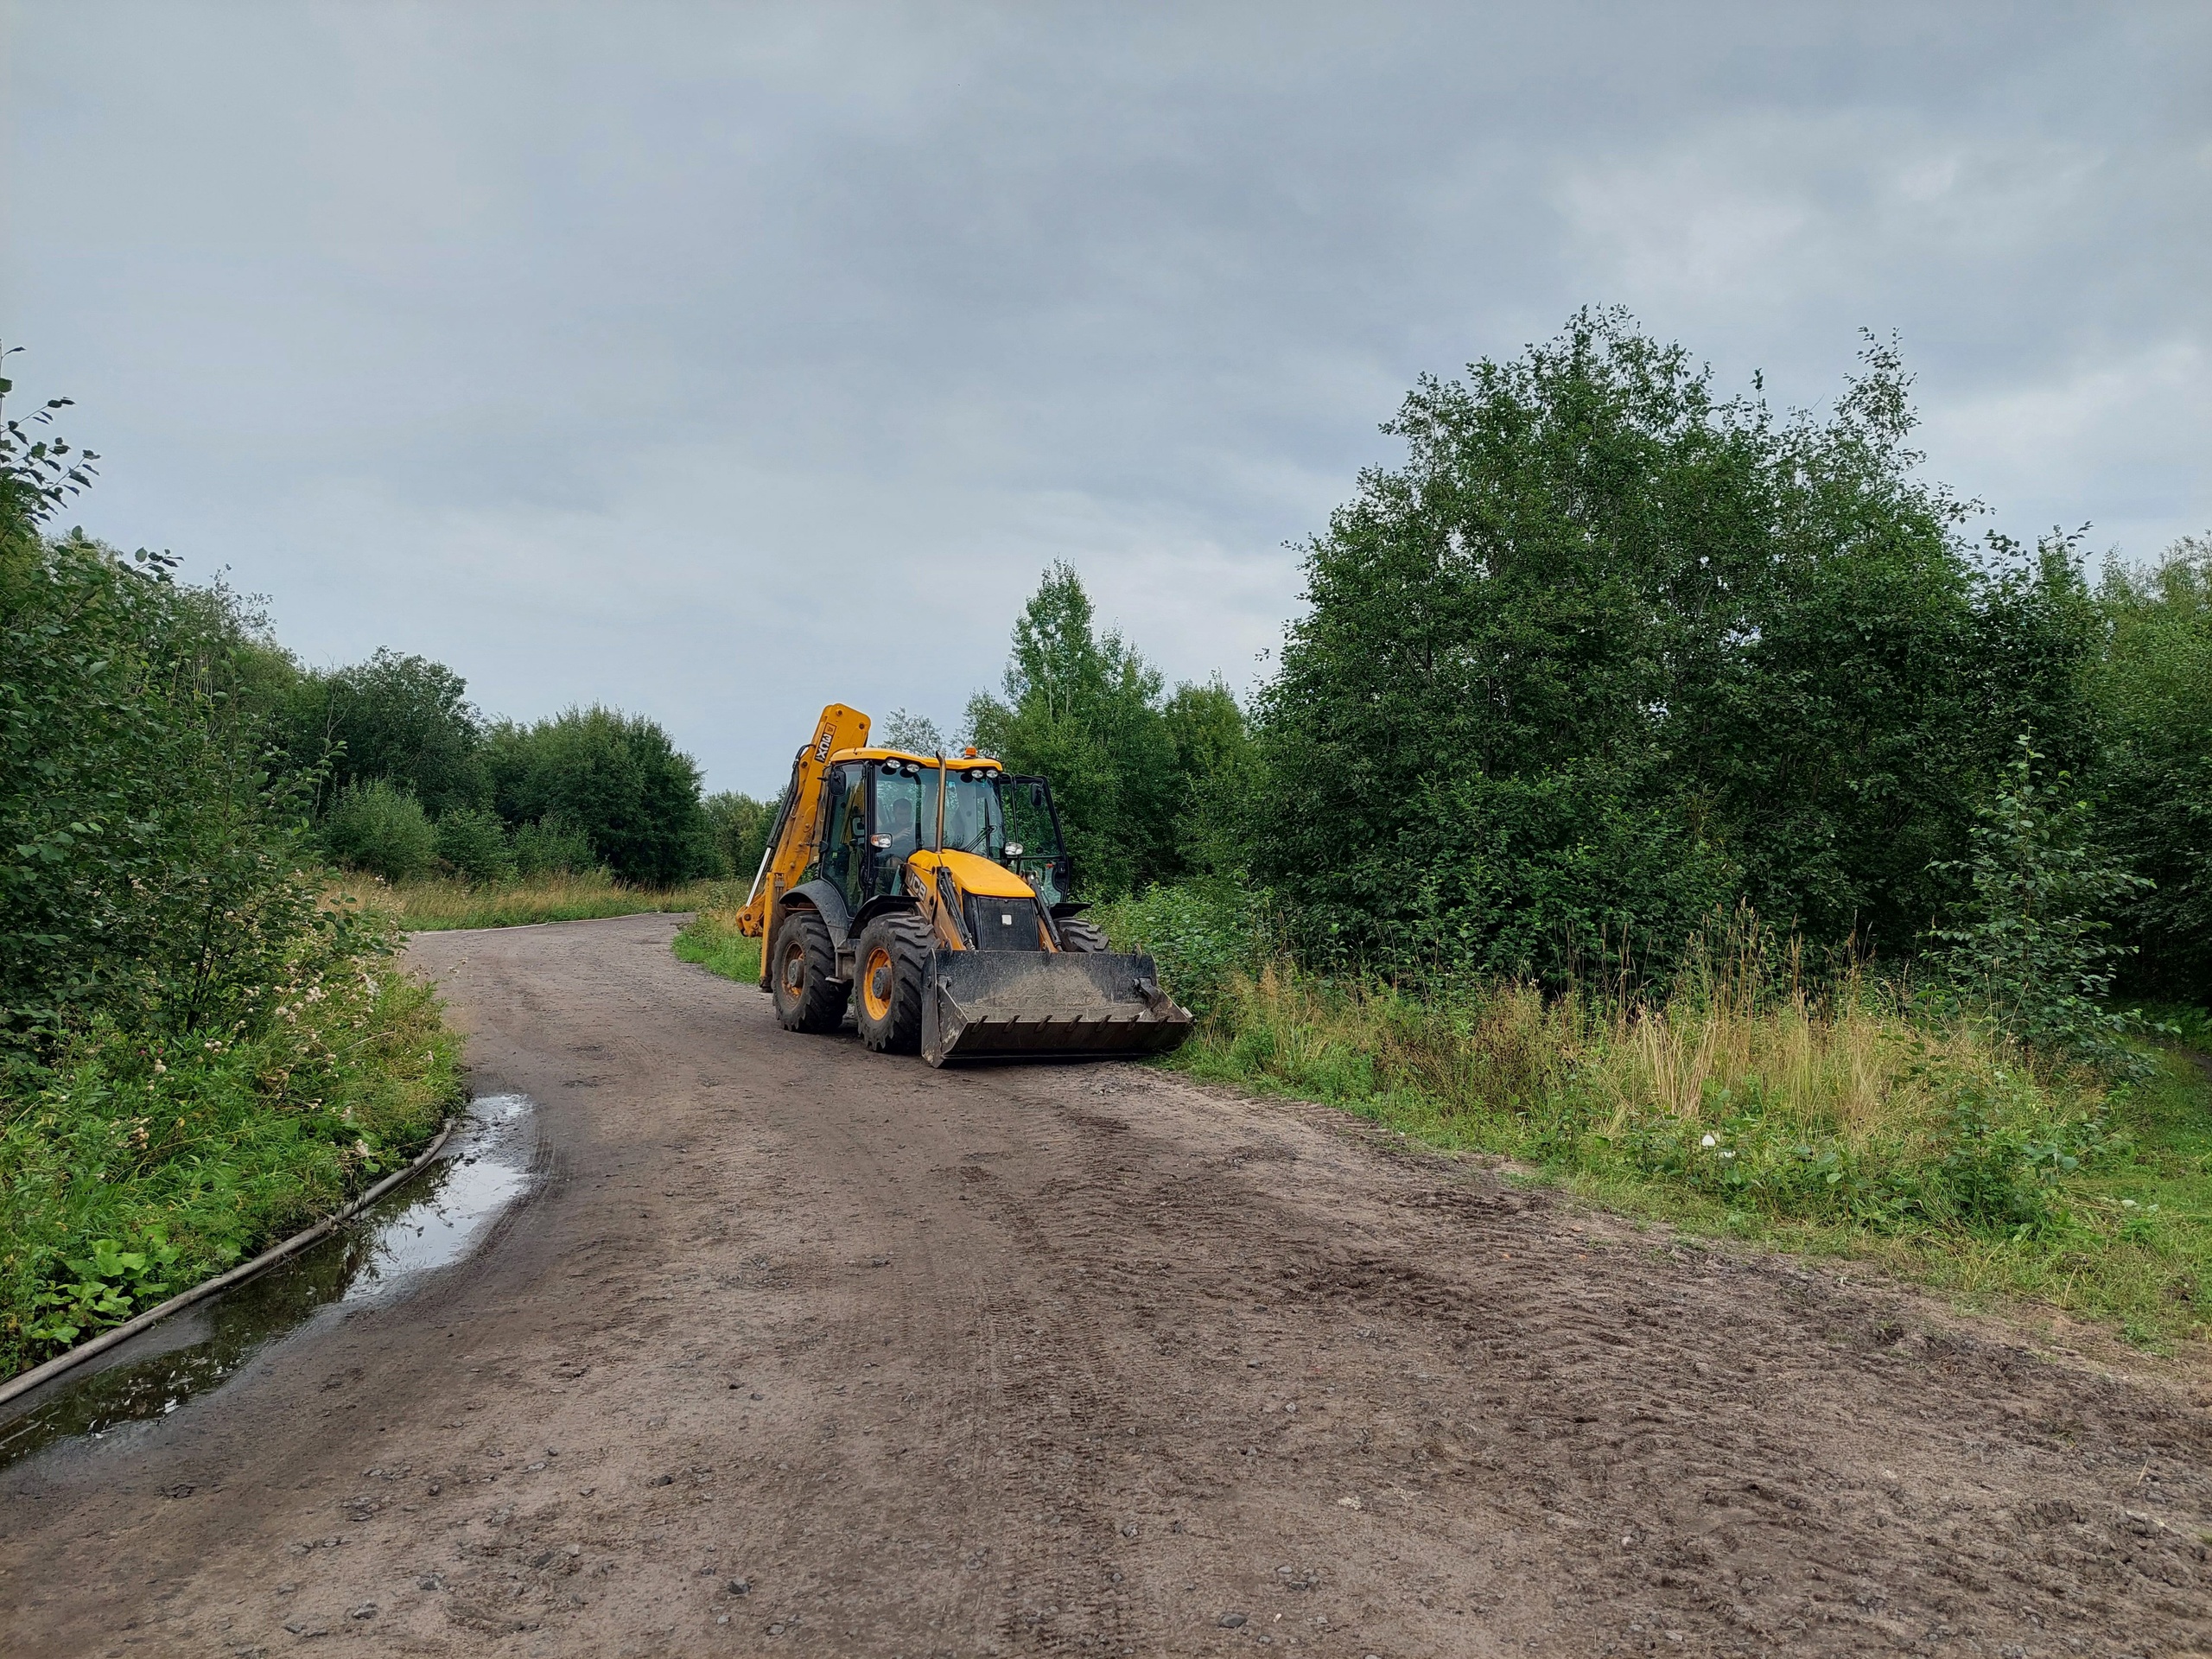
{"points": [[1079, 938], [819, 1008], [910, 940]]}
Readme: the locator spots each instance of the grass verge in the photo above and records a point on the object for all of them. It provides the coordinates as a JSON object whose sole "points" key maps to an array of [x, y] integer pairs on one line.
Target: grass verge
{"points": [[711, 940], [136, 1165], [1842, 1122], [432, 904]]}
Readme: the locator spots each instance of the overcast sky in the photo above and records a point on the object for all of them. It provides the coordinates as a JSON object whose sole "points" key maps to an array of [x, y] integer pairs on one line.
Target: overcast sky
{"points": [[718, 361]]}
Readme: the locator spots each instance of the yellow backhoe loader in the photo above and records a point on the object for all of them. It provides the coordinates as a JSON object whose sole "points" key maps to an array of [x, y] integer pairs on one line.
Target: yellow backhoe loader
{"points": [[939, 888]]}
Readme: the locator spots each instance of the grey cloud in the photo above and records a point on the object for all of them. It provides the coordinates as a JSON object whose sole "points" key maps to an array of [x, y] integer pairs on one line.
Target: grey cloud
{"points": [[717, 361]]}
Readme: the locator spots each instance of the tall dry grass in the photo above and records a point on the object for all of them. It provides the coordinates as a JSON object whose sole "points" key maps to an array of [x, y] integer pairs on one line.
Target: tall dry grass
{"points": [[430, 904], [1844, 1053]]}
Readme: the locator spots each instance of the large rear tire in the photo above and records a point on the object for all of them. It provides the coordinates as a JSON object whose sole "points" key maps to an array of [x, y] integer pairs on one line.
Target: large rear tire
{"points": [[1080, 938], [810, 997], [892, 963]]}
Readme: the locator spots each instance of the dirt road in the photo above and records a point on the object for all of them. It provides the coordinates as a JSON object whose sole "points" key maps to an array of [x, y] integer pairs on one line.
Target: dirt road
{"points": [[798, 1349]]}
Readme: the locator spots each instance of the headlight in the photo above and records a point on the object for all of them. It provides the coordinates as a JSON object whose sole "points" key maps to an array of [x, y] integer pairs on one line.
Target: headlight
{"points": [[1013, 849]]}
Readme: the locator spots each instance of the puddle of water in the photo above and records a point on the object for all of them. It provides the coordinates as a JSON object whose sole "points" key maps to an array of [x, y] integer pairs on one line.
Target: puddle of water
{"points": [[378, 1258]]}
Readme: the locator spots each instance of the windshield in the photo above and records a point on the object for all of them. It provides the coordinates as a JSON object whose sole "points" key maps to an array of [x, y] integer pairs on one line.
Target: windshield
{"points": [[905, 811]]}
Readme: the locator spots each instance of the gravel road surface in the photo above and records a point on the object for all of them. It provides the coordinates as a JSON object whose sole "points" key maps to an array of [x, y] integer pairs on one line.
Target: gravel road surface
{"points": [[796, 1349]]}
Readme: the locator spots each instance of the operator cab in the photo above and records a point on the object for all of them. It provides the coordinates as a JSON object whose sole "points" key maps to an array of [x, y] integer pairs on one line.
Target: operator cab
{"points": [[882, 807]]}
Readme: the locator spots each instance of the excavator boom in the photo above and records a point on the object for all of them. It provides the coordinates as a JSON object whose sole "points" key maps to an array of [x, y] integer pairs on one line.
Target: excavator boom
{"points": [[799, 822]]}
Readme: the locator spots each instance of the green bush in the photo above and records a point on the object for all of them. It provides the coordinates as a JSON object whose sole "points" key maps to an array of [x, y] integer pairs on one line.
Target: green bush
{"points": [[404, 719], [381, 828], [473, 844], [148, 856], [136, 1165], [1201, 934], [618, 779], [1150, 787], [2154, 695], [553, 846], [2032, 948], [738, 826]]}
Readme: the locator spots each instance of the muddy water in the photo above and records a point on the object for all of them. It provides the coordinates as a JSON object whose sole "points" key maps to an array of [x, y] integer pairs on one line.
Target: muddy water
{"points": [[379, 1257]]}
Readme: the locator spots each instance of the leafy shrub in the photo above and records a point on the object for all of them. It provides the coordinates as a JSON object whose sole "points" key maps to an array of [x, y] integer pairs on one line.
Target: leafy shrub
{"points": [[109, 1286], [381, 828], [1201, 934], [2031, 949], [1151, 787], [2153, 696], [553, 846], [147, 854], [472, 843], [402, 718], [738, 826], [618, 778], [192, 1152]]}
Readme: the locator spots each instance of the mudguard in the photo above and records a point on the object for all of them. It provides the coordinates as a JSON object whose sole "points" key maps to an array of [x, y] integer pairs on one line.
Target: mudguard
{"points": [[826, 897]]}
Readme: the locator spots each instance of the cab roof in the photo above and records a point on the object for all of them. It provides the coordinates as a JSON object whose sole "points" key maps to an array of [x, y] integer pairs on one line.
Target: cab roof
{"points": [[959, 762]]}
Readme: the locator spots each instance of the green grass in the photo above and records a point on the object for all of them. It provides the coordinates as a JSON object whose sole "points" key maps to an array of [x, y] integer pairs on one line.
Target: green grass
{"points": [[710, 940], [137, 1167], [431, 903]]}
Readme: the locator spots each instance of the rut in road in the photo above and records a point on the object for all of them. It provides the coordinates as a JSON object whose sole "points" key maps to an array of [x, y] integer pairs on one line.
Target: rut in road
{"points": [[797, 1347]]}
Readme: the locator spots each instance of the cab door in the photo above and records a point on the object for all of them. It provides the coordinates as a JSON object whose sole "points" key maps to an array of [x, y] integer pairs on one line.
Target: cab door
{"points": [[844, 848]]}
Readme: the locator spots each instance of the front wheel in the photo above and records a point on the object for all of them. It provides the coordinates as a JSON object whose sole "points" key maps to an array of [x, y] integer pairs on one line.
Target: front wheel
{"points": [[894, 963], [810, 997]]}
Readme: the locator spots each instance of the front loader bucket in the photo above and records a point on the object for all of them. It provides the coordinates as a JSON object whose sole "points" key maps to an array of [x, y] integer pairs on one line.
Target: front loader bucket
{"points": [[1041, 1004]]}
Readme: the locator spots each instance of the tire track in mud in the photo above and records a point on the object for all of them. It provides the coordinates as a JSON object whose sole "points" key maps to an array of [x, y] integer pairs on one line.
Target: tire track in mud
{"points": [[1090, 1360]]}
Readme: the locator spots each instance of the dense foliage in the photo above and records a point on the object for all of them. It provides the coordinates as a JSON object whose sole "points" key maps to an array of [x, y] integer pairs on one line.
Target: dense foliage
{"points": [[150, 856], [2152, 691], [2033, 948], [737, 827], [1610, 657], [194, 1050], [395, 719], [1608, 654], [618, 778], [412, 779]]}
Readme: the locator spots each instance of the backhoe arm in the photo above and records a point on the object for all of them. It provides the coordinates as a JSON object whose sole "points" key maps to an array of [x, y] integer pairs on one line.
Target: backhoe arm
{"points": [[798, 824]]}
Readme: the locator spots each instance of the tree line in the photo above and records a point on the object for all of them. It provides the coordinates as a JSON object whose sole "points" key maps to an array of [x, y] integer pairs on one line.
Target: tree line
{"points": [[410, 776], [1609, 654]]}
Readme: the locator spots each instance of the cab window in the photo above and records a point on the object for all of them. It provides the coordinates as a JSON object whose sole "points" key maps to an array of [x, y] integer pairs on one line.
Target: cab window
{"points": [[845, 840]]}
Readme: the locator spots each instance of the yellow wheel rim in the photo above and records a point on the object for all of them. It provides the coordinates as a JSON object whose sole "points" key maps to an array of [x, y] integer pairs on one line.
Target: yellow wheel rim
{"points": [[875, 983], [794, 968]]}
